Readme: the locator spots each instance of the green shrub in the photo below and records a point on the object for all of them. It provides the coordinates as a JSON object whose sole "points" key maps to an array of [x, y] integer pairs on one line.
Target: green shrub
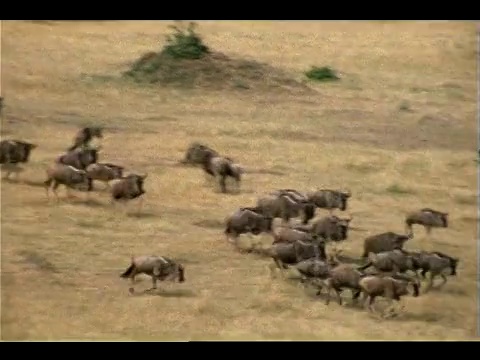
{"points": [[321, 74], [185, 43]]}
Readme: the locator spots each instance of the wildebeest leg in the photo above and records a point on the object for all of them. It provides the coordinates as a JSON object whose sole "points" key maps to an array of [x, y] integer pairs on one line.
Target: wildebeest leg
{"points": [[339, 295], [54, 189], [370, 303], [430, 283], [140, 204], [444, 278], [132, 282], [223, 184], [428, 232], [355, 295]]}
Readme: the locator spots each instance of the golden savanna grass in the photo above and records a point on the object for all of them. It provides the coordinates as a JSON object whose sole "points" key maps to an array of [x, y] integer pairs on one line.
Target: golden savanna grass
{"points": [[399, 130]]}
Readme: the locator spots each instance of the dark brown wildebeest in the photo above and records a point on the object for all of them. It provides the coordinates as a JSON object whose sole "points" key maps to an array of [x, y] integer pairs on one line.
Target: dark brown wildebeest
{"points": [[330, 199], [285, 207], [244, 221], [428, 218], [158, 267], [79, 158], [343, 276], [386, 241], [128, 188], [396, 261], [104, 172], [222, 167], [434, 263], [390, 287], [331, 228], [70, 177], [196, 154], [284, 254], [14, 152], [84, 136]]}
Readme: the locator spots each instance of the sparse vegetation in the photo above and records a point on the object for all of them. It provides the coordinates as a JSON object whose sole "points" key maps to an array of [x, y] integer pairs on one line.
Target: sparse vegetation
{"points": [[185, 61], [323, 73]]}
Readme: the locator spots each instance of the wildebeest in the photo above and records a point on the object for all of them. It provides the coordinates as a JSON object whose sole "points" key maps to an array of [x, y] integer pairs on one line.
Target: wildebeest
{"points": [[13, 152], [284, 254], [331, 228], [390, 287], [104, 172], [428, 218], [246, 221], [158, 267], [84, 136], [284, 206], [79, 158], [222, 167], [386, 241], [343, 276], [70, 177], [330, 199], [396, 261], [434, 263], [196, 154], [128, 188]]}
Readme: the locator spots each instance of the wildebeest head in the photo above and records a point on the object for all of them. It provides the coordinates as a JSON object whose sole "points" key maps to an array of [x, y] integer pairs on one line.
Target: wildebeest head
{"points": [[308, 211], [138, 180], [176, 272], [96, 131], [453, 266], [341, 228], [344, 196], [24, 149]]}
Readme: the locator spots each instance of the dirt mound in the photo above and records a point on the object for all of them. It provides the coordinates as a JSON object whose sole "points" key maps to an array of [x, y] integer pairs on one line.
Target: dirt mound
{"points": [[214, 71]]}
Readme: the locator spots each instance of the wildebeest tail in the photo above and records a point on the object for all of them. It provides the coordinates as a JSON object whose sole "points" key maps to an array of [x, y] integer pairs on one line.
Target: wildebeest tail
{"points": [[128, 272], [363, 267]]}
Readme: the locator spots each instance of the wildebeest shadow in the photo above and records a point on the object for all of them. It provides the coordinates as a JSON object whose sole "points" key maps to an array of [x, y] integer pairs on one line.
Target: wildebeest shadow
{"points": [[142, 214], [38, 260], [35, 183], [186, 293], [210, 223], [92, 203]]}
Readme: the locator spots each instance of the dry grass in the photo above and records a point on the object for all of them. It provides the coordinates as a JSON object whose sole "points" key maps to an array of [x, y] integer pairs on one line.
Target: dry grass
{"points": [[61, 263]]}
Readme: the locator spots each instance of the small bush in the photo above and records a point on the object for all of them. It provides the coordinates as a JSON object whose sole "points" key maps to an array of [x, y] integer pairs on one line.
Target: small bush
{"points": [[321, 74], [185, 43]]}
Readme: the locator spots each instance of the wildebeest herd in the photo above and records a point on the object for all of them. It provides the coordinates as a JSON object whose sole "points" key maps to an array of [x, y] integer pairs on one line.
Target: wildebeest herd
{"points": [[384, 269]]}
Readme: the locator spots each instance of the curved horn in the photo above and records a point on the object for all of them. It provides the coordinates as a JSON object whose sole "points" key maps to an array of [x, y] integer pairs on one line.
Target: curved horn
{"points": [[348, 193]]}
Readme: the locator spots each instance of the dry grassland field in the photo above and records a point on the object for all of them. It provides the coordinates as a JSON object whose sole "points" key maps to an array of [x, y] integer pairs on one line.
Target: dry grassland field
{"points": [[398, 130]]}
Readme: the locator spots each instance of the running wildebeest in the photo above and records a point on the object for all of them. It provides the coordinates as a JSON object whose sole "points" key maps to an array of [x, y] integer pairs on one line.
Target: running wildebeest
{"points": [[70, 177], [222, 167], [386, 241], [284, 254], [330, 199], [246, 221], [434, 263], [14, 152], [390, 287], [79, 158], [104, 172], [428, 218], [128, 188], [396, 261], [84, 136], [284, 206], [196, 154], [158, 267], [331, 228], [343, 276]]}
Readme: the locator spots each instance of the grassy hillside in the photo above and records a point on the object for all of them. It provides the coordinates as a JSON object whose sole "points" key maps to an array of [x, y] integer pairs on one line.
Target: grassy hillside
{"points": [[398, 129]]}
